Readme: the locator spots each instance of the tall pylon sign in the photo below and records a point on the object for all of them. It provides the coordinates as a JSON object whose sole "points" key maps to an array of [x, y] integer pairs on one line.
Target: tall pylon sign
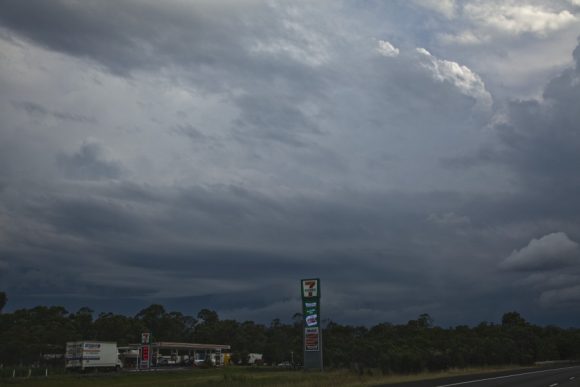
{"points": [[310, 289]]}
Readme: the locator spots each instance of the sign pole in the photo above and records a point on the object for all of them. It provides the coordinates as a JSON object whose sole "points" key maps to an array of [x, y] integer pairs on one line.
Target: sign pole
{"points": [[145, 352], [310, 292]]}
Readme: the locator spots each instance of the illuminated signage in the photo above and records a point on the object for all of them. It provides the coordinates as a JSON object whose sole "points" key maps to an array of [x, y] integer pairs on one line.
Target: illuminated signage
{"points": [[311, 339], [310, 288], [310, 294], [145, 337], [311, 320], [144, 359]]}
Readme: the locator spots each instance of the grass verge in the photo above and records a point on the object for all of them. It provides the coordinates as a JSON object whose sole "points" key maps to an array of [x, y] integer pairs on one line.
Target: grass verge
{"points": [[235, 377]]}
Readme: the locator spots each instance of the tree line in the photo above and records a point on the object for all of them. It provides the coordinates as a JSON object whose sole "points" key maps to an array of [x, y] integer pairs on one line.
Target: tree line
{"points": [[27, 335]]}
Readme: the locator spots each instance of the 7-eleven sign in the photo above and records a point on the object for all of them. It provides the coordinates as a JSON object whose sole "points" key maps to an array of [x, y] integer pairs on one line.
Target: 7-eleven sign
{"points": [[310, 288]]}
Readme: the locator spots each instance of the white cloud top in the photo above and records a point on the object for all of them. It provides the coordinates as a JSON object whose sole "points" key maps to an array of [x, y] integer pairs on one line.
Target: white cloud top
{"points": [[518, 19], [387, 49], [468, 82], [550, 251]]}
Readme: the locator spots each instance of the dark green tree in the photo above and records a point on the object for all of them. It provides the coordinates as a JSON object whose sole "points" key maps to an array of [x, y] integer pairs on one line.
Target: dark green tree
{"points": [[83, 319], [113, 327], [3, 300], [151, 319], [207, 316], [513, 319]]}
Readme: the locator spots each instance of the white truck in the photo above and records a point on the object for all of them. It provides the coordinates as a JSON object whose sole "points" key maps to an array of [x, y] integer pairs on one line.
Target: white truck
{"points": [[255, 358], [92, 355]]}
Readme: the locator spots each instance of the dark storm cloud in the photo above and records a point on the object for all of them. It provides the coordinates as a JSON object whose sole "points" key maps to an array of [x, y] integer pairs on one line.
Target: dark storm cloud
{"points": [[538, 143], [173, 240], [257, 181], [538, 139], [274, 119], [92, 219], [89, 163], [194, 134], [122, 37], [214, 45], [162, 245], [40, 111], [146, 35]]}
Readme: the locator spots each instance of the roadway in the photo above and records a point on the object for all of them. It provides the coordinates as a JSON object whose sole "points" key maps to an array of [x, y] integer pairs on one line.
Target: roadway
{"points": [[545, 377]]}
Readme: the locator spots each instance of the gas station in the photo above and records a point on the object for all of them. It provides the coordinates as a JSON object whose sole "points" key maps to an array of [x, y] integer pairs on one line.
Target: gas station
{"points": [[172, 354]]}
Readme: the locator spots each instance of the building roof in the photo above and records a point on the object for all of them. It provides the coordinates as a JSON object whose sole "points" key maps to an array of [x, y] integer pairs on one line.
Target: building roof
{"points": [[172, 345]]}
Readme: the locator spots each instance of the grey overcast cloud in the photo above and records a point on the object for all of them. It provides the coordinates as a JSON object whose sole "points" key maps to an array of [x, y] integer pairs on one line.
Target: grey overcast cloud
{"points": [[417, 156]]}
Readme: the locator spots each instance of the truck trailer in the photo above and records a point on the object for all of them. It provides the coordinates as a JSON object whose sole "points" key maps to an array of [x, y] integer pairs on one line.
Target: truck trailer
{"points": [[92, 355]]}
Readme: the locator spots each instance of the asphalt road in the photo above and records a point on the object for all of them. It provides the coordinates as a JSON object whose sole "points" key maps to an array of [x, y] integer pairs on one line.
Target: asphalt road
{"points": [[548, 377]]}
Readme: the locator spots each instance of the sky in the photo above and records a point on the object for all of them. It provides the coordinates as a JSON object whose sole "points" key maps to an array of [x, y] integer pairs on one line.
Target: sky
{"points": [[416, 156]]}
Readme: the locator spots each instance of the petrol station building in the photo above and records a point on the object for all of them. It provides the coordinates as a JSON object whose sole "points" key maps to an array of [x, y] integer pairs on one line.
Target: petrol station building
{"points": [[177, 354]]}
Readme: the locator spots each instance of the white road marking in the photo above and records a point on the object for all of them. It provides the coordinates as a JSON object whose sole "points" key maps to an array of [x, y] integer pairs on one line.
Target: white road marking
{"points": [[553, 385], [572, 377], [505, 377]]}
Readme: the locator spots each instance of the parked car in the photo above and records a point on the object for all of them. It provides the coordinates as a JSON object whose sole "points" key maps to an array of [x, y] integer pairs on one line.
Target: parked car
{"points": [[285, 364]]}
